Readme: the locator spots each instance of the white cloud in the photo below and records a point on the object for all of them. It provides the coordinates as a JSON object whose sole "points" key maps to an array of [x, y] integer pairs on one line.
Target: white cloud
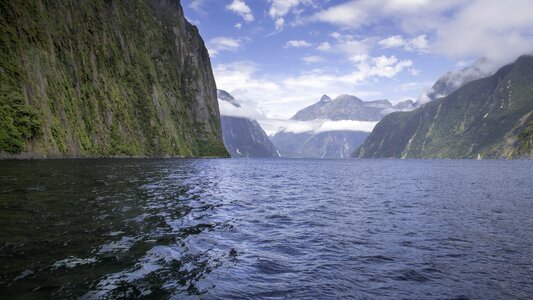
{"points": [[282, 95], [222, 43], [242, 81], [454, 79], [407, 13], [392, 42], [198, 6], [247, 110], [280, 23], [335, 35], [497, 30], [354, 49], [351, 47], [312, 59], [297, 44], [347, 125], [317, 126], [280, 8], [382, 66], [459, 29], [250, 110], [238, 26], [343, 14], [414, 86], [239, 7], [463, 63], [325, 46], [418, 44], [414, 72]]}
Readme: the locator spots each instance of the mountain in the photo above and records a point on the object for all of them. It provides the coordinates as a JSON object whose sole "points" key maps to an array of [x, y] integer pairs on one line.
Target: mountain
{"points": [[328, 144], [104, 78], [490, 117], [453, 80], [333, 143], [344, 107], [244, 137]]}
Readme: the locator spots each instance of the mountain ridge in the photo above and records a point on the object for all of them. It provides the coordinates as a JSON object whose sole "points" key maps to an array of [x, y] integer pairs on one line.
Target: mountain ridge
{"points": [[333, 143], [485, 118]]}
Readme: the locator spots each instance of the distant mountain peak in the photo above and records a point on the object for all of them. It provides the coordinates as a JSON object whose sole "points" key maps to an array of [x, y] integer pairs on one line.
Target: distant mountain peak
{"points": [[344, 107], [325, 99]]}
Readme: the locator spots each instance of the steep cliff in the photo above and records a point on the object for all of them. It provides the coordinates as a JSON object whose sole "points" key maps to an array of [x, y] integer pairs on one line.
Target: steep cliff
{"points": [[486, 118], [104, 78]]}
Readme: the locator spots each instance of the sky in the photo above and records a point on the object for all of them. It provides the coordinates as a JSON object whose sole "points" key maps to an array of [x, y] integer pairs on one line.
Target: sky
{"points": [[279, 56]]}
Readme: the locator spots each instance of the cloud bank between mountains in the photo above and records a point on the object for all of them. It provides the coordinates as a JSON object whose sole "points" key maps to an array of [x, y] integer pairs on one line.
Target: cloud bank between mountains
{"points": [[272, 125]]}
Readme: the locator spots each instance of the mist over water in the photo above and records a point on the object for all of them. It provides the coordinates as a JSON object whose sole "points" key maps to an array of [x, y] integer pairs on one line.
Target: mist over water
{"points": [[424, 229]]}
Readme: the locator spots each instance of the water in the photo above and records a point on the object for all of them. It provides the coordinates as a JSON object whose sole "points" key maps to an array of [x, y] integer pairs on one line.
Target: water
{"points": [[423, 229]]}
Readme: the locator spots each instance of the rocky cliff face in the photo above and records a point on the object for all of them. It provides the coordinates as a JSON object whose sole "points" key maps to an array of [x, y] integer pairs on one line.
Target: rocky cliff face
{"points": [[104, 78], [244, 137], [486, 118]]}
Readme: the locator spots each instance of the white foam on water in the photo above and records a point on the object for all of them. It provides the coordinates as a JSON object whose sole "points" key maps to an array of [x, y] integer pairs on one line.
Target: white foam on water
{"points": [[115, 233], [152, 261], [124, 244], [73, 262], [23, 275]]}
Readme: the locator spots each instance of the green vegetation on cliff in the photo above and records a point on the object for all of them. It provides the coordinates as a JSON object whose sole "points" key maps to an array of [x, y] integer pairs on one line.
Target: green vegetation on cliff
{"points": [[486, 118], [525, 141], [104, 78]]}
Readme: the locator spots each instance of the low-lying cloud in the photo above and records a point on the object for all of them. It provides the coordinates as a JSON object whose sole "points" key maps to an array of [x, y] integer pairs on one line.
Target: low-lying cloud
{"points": [[271, 125], [246, 110], [316, 126]]}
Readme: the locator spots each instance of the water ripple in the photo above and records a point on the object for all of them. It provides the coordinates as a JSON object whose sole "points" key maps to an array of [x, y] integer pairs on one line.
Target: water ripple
{"points": [[268, 229]]}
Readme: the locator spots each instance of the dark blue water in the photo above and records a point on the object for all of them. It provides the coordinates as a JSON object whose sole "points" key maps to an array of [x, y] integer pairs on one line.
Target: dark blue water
{"points": [[275, 229]]}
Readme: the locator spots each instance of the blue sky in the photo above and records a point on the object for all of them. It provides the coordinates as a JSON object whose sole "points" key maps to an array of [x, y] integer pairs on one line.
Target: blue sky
{"points": [[279, 56]]}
